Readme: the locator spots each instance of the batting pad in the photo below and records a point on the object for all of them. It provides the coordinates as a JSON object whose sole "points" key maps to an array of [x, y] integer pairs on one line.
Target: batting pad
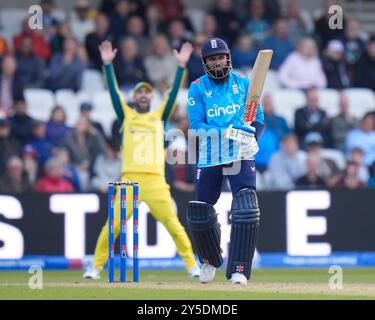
{"points": [[206, 234], [245, 218]]}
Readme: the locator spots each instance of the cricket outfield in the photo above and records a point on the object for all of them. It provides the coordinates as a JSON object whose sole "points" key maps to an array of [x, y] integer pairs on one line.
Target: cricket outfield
{"points": [[168, 285]]}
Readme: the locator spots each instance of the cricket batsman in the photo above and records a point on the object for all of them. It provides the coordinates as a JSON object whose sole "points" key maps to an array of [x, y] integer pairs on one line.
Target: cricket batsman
{"points": [[143, 157], [216, 102]]}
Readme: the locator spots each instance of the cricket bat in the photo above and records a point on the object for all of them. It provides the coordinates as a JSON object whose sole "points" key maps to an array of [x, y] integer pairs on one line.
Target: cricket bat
{"points": [[257, 78]]}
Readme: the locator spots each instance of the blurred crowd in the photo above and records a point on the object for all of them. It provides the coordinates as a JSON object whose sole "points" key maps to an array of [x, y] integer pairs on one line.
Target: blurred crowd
{"points": [[308, 55]]}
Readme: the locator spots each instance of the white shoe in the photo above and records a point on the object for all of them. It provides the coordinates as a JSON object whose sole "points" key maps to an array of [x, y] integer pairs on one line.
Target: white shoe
{"points": [[91, 273], [207, 273], [194, 272], [238, 278]]}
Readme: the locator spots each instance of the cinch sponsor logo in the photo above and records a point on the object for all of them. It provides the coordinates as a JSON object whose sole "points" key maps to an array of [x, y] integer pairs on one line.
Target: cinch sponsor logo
{"points": [[217, 111]]}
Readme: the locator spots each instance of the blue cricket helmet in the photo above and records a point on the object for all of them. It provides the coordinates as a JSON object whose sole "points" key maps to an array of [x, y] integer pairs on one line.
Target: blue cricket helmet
{"points": [[216, 46]]}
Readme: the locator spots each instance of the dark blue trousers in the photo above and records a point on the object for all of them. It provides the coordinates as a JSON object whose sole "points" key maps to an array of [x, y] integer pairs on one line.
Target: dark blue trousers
{"points": [[209, 179]]}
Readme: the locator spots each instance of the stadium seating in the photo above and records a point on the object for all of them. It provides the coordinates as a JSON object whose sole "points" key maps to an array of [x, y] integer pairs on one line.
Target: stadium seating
{"points": [[103, 110], [10, 22], [40, 103], [360, 100], [286, 102], [182, 98], [196, 17], [59, 14], [329, 101], [92, 80], [261, 184], [272, 82], [336, 155], [68, 100]]}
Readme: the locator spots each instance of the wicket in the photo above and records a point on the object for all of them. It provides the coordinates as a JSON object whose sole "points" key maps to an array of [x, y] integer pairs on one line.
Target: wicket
{"points": [[112, 189]]}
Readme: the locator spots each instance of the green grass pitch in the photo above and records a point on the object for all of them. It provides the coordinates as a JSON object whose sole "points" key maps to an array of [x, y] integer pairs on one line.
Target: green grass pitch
{"points": [[265, 284]]}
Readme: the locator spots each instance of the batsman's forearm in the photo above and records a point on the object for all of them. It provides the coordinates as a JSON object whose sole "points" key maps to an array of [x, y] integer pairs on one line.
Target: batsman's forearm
{"points": [[259, 129]]}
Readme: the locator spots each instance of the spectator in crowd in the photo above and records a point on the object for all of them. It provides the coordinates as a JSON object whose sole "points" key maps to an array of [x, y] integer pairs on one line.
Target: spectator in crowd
{"points": [[371, 181], [86, 109], [287, 164], [312, 179], [40, 143], [350, 177], [311, 118], [118, 19], [279, 43], [53, 181], [342, 123], [30, 161], [30, 68], [3, 47], [69, 171], [180, 172], [256, 23], [40, 47], [50, 23], [83, 145], [136, 29], [243, 53], [56, 129], [128, 65], [106, 6], [178, 34], [194, 65], [9, 88], [9, 146], [210, 26], [81, 22], [138, 8], [229, 22], [300, 23], [63, 32], [323, 30], [154, 22], [334, 65], [354, 45], [106, 167], [364, 138], [135, 6], [272, 10], [273, 121], [302, 68], [160, 64], [268, 145], [327, 168], [21, 123], [364, 74], [170, 9], [14, 180], [357, 156], [94, 39], [66, 69]]}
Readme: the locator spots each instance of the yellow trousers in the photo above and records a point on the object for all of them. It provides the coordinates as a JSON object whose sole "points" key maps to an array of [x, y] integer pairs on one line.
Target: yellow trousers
{"points": [[154, 191]]}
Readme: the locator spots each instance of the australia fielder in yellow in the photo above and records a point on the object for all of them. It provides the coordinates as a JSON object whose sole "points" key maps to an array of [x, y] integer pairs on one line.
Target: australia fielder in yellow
{"points": [[143, 157]]}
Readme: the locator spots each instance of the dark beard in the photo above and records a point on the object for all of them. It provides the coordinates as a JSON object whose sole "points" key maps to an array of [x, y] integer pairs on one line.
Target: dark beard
{"points": [[218, 81], [137, 108]]}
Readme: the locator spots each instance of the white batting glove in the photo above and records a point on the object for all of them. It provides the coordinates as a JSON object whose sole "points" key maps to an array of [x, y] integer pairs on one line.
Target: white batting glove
{"points": [[248, 148]]}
